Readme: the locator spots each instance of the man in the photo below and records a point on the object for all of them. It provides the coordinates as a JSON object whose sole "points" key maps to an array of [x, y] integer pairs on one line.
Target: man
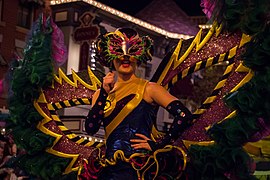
{"points": [[126, 107]]}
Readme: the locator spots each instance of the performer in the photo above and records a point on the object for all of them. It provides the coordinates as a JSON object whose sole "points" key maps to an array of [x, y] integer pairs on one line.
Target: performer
{"points": [[126, 106]]}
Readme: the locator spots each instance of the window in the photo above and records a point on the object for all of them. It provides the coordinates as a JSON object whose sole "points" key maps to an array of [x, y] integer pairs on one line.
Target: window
{"points": [[19, 46], [25, 15], [2, 61]]}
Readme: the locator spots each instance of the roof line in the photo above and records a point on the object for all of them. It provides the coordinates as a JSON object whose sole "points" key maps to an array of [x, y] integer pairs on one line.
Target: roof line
{"points": [[128, 18]]}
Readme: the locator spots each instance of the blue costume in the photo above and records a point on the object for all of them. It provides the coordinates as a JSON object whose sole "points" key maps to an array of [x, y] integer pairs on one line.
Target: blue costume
{"points": [[124, 113]]}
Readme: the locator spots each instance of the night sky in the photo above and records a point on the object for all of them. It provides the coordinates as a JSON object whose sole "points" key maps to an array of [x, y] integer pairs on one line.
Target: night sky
{"points": [[131, 7]]}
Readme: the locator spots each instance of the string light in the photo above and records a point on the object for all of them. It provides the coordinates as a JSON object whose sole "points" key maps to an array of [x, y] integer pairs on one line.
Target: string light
{"points": [[128, 18], [3, 131], [91, 138], [92, 53], [206, 26]]}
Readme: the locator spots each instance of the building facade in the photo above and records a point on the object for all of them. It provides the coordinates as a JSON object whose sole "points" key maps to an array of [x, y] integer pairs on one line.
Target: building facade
{"points": [[16, 18], [81, 22]]}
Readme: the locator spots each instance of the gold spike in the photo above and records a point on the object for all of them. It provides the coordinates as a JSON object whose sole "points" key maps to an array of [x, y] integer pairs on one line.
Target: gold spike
{"points": [[245, 39], [195, 42], [95, 81], [92, 77], [174, 80], [228, 69], [42, 98], [220, 84], [218, 28], [242, 68], [209, 99], [62, 76], [198, 66], [173, 58], [207, 128], [221, 57], [232, 52], [209, 61], [199, 111], [185, 72], [199, 43], [167, 86], [243, 81]]}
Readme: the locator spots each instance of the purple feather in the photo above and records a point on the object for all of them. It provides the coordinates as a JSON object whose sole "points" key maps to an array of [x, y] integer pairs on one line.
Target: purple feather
{"points": [[59, 50]]}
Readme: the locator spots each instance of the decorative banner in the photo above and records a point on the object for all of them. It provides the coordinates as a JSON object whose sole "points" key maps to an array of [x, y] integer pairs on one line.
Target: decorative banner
{"points": [[84, 35]]}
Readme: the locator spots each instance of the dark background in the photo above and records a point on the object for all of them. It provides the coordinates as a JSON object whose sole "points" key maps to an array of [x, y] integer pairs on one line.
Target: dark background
{"points": [[132, 7]]}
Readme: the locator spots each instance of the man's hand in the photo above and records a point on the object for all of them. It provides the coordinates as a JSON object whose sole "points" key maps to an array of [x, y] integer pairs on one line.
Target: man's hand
{"points": [[108, 82], [141, 143]]}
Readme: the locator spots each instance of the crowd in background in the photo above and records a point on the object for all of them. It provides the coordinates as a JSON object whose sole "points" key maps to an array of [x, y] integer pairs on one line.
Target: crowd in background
{"points": [[8, 153]]}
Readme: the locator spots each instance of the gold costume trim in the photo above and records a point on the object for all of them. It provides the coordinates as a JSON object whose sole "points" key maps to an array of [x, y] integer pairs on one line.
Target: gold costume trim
{"points": [[120, 155], [134, 86]]}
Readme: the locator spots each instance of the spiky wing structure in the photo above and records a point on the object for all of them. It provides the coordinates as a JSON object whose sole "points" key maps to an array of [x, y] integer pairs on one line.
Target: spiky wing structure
{"points": [[64, 93], [237, 111], [52, 151], [208, 49]]}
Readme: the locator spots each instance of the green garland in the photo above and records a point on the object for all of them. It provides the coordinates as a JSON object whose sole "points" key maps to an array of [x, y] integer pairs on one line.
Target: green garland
{"points": [[223, 160], [29, 76], [226, 159]]}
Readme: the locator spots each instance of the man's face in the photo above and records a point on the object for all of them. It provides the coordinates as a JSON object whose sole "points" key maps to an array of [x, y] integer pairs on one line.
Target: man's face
{"points": [[125, 64]]}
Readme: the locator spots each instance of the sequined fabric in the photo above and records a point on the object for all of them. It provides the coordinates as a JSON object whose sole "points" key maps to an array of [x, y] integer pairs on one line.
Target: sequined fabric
{"points": [[140, 120]]}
